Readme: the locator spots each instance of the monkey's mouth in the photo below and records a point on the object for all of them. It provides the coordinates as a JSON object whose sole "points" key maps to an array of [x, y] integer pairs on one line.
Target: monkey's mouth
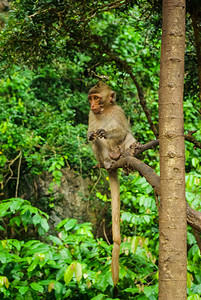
{"points": [[96, 111]]}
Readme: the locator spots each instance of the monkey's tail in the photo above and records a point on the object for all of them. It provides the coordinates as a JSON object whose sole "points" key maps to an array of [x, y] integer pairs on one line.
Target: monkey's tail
{"points": [[115, 195]]}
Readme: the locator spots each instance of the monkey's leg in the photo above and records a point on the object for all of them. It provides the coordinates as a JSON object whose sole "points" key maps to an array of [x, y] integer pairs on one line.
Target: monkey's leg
{"points": [[100, 148]]}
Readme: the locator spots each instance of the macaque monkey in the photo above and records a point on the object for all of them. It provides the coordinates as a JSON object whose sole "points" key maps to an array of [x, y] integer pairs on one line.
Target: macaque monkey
{"points": [[111, 137]]}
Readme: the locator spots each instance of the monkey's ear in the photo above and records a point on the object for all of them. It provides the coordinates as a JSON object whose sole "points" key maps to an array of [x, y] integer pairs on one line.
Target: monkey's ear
{"points": [[112, 97]]}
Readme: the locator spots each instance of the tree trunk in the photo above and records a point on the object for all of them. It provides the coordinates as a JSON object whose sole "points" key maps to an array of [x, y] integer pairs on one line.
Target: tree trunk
{"points": [[172, 214]]}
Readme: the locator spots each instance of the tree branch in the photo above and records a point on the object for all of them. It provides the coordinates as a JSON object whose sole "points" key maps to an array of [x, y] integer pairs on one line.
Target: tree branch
{"points": [[188, 137], [132, 163], [139, 148], [109, 6]]}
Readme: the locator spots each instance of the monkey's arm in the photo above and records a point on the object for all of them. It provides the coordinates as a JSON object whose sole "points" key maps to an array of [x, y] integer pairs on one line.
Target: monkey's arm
{"points": [[117, 134]]}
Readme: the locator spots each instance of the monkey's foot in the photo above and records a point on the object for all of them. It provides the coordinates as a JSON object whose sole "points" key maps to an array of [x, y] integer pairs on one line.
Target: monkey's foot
{"points": [[132, 149], [114, 155]]}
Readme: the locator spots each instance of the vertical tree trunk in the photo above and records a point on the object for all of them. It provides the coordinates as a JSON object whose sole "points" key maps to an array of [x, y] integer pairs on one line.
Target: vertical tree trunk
{"points": [[172, 215]]}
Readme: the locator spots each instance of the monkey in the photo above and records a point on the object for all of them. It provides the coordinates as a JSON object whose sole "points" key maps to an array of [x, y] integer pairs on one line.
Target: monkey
{"points": [[111, 137]]}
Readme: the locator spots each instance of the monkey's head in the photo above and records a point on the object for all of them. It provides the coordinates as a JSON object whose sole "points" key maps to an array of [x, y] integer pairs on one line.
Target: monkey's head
{"points": [[101, 96]]}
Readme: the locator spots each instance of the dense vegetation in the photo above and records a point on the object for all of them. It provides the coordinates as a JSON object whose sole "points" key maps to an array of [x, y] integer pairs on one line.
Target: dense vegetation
{"points": [[52, 53]]}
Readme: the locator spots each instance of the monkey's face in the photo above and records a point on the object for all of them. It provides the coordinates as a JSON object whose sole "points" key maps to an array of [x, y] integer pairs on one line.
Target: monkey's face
{"points": [[96, 104]]}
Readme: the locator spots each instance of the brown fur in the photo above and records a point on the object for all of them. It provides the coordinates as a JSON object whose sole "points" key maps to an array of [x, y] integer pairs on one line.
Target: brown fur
{"points": [[111, 137]]}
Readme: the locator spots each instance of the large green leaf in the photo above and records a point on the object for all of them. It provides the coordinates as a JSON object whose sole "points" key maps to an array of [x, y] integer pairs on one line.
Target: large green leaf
{"points": [[69, 273]]}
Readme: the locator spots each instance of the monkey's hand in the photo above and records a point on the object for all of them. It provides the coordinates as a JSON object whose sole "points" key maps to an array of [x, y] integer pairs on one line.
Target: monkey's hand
{"points": [[101, 133], [91, 135]]}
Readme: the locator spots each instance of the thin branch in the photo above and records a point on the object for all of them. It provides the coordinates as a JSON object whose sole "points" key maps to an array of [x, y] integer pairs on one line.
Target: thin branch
{"points": [[105, 48], [18, 174], [99, 76], [188, 137], [104, 232], [9, 167], [109, 6], [141, 148]]}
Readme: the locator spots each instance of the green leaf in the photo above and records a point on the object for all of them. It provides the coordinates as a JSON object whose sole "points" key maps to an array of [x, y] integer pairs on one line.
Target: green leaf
{"points": [[33, 265], [37, 287], [36, 219], [134, 244], [15, 204], [61, 224], [195, 161], [3, 257], [4, 209], [65, 254], [23, 289], [69, 273], [57, 174], [189, 280], [55, 240], [15, 220], [17, 244], [45, 282], [197, 289], [99, 297], [70, 224], [78, 271], [194, 297], [43, 227], [4, 281], [60, 273], [191, 238]]}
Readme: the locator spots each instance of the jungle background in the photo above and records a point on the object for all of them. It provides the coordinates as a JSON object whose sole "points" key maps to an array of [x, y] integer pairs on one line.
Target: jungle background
{"points": [[55, 215]]}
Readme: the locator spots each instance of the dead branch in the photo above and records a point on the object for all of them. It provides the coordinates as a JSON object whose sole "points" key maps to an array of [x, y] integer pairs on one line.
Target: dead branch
{"points": [[101, 77], [188, 137]]}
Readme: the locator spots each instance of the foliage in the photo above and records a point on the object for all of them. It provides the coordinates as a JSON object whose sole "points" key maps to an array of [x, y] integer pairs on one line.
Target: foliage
{"points": [[76, 266], [36, 135], [20, 215], [71, 265]]}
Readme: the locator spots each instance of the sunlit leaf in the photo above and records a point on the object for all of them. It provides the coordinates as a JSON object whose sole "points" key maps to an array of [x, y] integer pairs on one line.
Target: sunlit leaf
{"points": [[78, 271], [69, 273]]}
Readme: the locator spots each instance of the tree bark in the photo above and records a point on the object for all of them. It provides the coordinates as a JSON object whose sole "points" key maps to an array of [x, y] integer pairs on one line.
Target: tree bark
{"points": [[172, 214]]}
